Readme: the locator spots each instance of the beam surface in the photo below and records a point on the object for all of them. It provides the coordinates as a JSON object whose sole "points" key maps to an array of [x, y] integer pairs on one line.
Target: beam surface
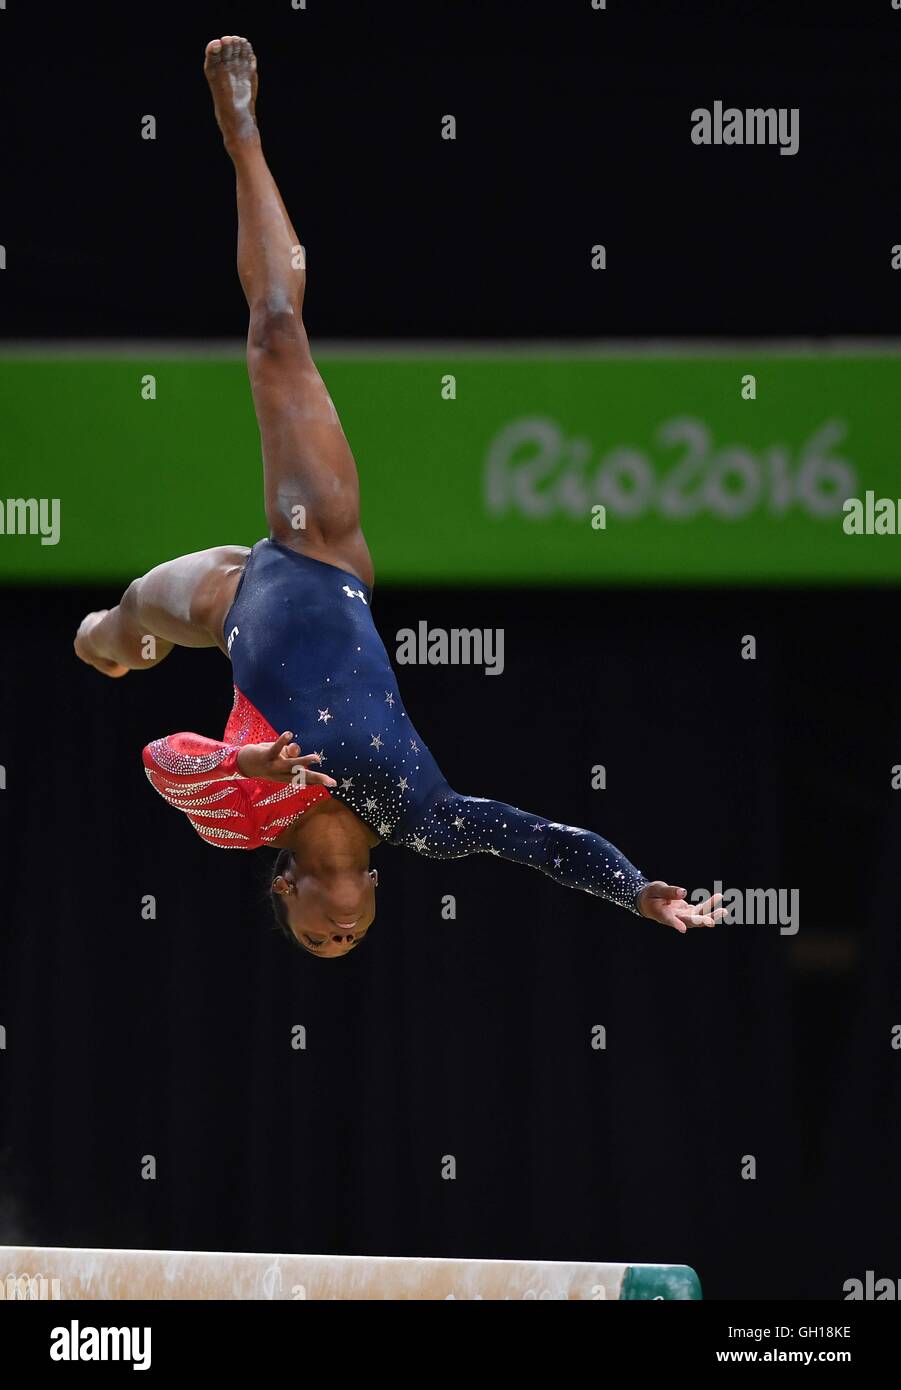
{"points": [[57, 1272]]}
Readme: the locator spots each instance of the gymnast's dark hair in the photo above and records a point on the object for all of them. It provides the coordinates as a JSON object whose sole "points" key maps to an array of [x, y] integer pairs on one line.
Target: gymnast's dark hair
{"points": [[279, 911]]}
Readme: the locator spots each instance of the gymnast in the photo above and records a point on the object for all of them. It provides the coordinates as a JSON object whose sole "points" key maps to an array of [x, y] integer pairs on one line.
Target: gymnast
{"points": [[294, 616]]}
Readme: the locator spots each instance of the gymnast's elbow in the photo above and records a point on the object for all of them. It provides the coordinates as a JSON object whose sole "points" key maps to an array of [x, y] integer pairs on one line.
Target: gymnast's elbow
{"points": [[134, 646]]}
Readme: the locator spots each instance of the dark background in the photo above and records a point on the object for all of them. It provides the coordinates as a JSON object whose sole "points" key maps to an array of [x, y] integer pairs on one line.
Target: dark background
{"points": [[572, 128], [471, 1038]]}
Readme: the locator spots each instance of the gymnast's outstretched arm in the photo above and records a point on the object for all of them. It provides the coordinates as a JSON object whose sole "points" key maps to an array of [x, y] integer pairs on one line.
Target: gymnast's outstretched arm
{"points": [[456, 825]]}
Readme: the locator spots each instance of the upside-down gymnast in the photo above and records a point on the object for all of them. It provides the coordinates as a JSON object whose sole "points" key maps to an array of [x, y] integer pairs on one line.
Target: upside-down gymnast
{"points": [[293, 615]]}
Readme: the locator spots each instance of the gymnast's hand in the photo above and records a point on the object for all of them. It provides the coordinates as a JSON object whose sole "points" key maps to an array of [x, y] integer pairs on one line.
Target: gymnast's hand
{"points": [[280, 761], [664, 903], [84, 648]]}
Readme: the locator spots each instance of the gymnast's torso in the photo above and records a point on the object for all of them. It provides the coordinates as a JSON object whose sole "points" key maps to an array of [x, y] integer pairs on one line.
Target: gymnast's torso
{"points": [[306, 653], [306, 657]]}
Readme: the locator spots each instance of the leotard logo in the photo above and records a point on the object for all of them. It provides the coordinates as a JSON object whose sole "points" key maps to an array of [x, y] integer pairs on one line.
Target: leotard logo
{"points": [[231, 637], [354, 593]]}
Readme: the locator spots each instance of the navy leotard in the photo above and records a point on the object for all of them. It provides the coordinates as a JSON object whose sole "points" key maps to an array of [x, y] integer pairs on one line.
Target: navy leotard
{"points": [[305, 651]]}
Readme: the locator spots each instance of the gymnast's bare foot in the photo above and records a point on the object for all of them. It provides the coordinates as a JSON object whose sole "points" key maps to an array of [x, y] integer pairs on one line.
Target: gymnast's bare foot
{"points": [[231, 70]]}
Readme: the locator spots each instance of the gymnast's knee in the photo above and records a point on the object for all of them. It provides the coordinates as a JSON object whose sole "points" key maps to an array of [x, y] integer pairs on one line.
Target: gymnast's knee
{"points": [[276, 326]]}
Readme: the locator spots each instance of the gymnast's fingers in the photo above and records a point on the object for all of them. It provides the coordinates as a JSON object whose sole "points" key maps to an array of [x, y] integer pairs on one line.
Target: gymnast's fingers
{"points": [[698, 917], [665, 892], [670, 918], [297, 770], [712, 902], [320, 779]]}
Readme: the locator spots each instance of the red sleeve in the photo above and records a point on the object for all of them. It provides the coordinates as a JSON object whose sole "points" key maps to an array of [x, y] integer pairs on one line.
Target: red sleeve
{"points": [[200, 777], [182, 758]]}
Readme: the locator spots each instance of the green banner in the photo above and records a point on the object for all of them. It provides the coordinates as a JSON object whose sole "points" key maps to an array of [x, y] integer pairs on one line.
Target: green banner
{"points": [[542, 466]]}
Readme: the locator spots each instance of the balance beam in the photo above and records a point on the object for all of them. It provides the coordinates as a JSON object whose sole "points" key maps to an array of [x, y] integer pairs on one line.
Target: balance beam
{"points": [[55, 1272]]}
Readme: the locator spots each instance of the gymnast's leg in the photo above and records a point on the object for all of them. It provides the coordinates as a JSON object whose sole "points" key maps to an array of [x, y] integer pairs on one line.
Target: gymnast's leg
{"points": [[312, 491]]}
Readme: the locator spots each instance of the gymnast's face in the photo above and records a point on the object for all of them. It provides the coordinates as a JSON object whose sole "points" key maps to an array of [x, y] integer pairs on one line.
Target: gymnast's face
{"points": [[328, 912]]}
